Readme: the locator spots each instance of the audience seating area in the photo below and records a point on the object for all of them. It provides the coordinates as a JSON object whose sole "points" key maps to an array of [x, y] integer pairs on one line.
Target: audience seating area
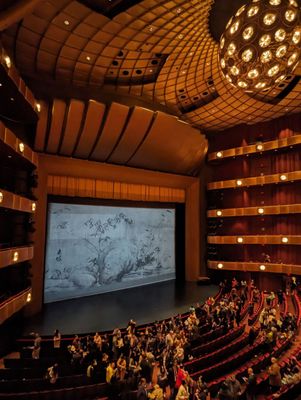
{"points": [[216, 355]]}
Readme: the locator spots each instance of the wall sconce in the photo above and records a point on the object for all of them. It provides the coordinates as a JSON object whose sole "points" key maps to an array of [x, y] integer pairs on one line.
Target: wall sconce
{"points": [[283, 177], [7, 61], [219, 154], [259, 147], [220, 265], [28, 298], [1, 197], [21, 147], [33, 207], [284, 240], [38, 107], [240, 240], [238, 182], [219, 213], [262, 267], [15, 256], [260, 210]]}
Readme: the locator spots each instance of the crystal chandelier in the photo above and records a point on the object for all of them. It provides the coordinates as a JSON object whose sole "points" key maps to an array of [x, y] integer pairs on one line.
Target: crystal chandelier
{"points": [[261, 44]]}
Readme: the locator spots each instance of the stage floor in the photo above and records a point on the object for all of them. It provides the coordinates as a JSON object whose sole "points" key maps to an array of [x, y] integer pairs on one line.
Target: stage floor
{"points": [[110, 310]]}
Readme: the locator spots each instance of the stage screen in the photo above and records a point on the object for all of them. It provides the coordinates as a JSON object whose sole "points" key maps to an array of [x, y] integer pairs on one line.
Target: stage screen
{"points": [[92, 249]]}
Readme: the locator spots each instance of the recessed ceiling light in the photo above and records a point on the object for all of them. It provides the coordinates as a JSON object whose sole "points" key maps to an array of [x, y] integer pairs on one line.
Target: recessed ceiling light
{"points": [[9, 156], [88, 58], [66, 22], [12, 99]]}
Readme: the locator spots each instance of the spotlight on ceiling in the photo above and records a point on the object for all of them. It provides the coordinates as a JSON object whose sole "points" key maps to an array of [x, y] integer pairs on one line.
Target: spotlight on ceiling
{"points": [[261, 45]]}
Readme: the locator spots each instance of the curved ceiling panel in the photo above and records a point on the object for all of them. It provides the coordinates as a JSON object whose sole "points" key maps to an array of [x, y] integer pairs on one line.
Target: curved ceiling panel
{"points": [[67, 44], [93, 119], [73, 127], [172, 144], [120, 135], [111, 132], [132, 136]]}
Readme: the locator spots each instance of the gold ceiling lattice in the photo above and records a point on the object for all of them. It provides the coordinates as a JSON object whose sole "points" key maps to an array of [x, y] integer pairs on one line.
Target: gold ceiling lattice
{"points": [[67, 43]]}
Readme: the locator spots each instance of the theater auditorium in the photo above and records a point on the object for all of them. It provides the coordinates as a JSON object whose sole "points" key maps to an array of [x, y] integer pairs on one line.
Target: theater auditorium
{"points": [[150, 202]]}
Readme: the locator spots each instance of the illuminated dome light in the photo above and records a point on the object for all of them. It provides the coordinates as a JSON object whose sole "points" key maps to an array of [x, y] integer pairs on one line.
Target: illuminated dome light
{"points": [[259, 147], [239, 182], [284, 240], [274, 70], [15, 256], [253, 73], [262, 267], [260, 210], [220, 265], [240, 240], [219, 154], [283, 177], [242, 9], [266, 56], [234, 27], [280, 35], [234, 70], [1, 197], [292, 59], [290, 15], [260, 85], [242, 84], [248, 32], [28, 298], [247, 55], [229, 23], [253, 11], [296, 36], [265, 40], [281, 51], [281, 78], [231, 49], [269, 19]]}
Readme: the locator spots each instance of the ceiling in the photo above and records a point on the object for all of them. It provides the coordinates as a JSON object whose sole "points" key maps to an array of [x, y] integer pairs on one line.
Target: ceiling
{"points": [[156, 53]]}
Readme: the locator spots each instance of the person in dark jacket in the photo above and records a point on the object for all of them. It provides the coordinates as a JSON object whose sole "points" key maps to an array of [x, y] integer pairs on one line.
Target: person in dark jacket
{"points": [[142, 392]]}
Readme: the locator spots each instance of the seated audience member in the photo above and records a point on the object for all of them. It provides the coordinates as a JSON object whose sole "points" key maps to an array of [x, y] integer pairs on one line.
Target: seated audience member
{"points": [[36, 347], [56, 339], [274, 375], [183, 393], [53, 374]]}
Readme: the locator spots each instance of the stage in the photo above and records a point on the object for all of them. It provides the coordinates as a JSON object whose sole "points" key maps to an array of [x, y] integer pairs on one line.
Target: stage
{"points": [[110, 310]]}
